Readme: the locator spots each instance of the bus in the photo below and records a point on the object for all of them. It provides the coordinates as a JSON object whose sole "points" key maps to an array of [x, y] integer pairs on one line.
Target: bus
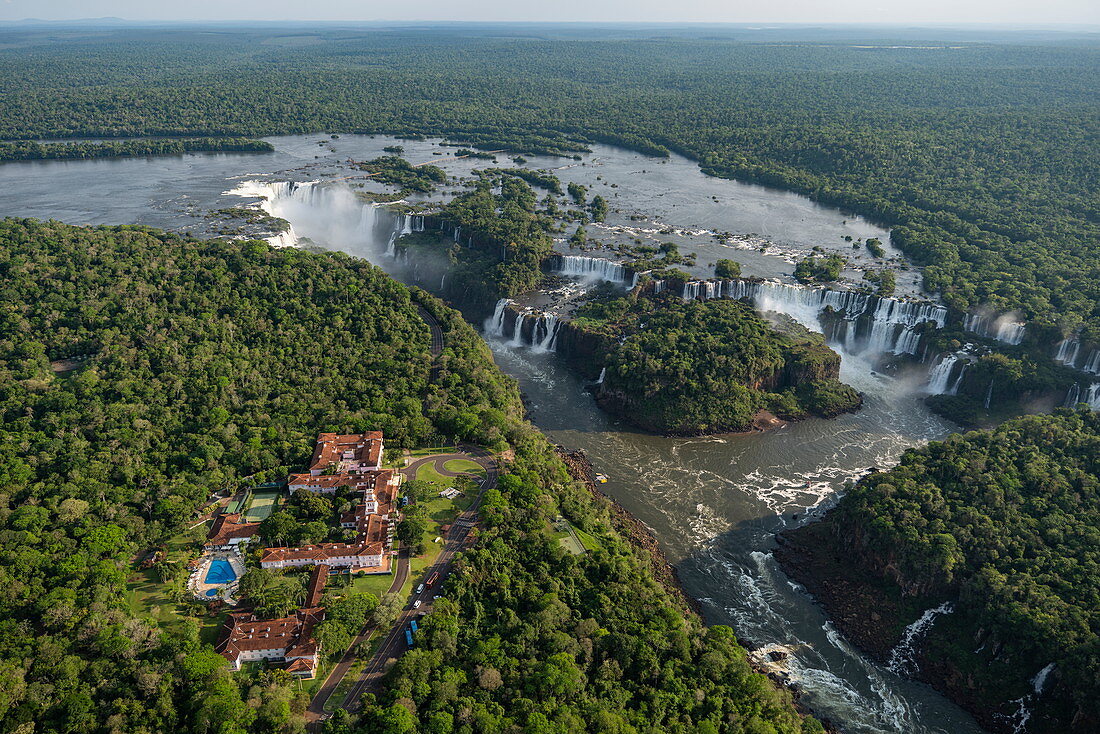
{"points": [[412, 626], [432, 579], [409, 638]]}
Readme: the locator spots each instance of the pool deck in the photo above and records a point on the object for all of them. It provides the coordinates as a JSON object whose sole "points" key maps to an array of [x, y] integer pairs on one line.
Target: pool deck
{"points": [[197, 583]]}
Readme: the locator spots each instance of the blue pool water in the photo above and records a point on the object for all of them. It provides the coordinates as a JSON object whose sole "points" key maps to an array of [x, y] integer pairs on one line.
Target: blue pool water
{"points": [[211, 592], [220, 572]]}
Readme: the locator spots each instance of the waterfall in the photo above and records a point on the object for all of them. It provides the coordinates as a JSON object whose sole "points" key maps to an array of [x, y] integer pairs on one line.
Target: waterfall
{"points": [[954, 390], [592, 268], [1073, 396], [1040, 679], [402, 227], [865, 322], [494, 325], [545, 333], [1022, 715], [903, 657], [331, 215], [1092, 364], [989, 395], [532, 329], [1006, 328], [939, 377], [1092, 397], [1065, 355], [603, 374]]}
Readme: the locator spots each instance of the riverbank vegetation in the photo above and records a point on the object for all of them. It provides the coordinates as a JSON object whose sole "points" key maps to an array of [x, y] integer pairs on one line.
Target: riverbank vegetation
{"points": [[1003, 524], [29, 150], [533, 637], [709, 366]]}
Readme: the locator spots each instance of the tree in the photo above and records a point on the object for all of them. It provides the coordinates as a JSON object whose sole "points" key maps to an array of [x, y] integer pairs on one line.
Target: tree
{"points": [[727, 269]]}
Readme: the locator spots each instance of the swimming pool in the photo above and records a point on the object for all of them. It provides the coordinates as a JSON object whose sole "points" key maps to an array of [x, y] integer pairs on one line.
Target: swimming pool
{"points": [[211, 592], [220, 572]]}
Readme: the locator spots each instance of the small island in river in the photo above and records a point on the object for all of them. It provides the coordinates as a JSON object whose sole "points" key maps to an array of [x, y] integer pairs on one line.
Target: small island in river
{"points": [[700, 367]]}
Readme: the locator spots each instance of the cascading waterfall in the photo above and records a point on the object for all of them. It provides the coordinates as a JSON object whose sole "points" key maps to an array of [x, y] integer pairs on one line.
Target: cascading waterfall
{"points": [[1067, 351], [939, 377], [1092, 397], [603, 374], [494, 325], [1073, 396], [866, 322], [989, 395], [328, 214], [592, 268], [533, 329], [545, 332], [1092, 364], [902, 658]]}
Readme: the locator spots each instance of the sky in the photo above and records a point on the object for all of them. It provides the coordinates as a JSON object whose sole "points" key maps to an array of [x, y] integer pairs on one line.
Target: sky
{"points": [[998, 12]]}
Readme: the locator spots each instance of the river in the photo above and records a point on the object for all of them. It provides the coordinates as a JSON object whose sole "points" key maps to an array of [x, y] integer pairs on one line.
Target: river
{"points": [[714, 503]]}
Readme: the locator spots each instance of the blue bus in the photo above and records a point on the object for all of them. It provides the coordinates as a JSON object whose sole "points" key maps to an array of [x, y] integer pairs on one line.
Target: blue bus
{"points": [[409, 638], [412, 625]]}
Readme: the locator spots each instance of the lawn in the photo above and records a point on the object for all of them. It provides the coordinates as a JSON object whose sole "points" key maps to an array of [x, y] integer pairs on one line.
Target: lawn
{"points": [[464, 465], [148, 597], [261, 507], [427, 473]]}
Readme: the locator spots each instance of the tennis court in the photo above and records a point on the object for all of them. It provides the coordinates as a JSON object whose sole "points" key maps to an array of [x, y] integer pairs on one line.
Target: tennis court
{"points": [[263, 504]]}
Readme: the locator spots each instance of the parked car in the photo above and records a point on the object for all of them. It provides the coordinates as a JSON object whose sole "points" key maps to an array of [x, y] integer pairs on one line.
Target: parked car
{"points": [[416, 604], [420, 589]]}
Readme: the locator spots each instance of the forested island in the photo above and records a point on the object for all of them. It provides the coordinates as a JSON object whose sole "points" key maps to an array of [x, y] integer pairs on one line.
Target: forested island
{"points": [[144, 370], [1002, 525], [694, 368]]}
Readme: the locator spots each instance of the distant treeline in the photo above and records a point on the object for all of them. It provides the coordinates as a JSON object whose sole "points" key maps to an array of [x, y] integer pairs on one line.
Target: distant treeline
{"points": [[29, 150]]}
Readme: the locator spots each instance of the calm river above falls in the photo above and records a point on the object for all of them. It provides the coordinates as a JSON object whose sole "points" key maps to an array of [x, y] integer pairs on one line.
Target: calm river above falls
{"points": [[714, 503]]}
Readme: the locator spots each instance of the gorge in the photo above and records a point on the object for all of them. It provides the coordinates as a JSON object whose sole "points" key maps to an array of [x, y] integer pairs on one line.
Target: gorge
{"points": [[715, 502]]}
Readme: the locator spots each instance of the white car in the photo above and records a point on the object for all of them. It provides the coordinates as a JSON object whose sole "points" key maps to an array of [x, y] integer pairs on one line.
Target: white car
{"points": [[420, 589], [416, 604]]}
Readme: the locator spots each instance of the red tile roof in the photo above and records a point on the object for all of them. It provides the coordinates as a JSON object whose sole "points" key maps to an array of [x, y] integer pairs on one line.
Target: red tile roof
{"points": [[228, 527], [244, 632], [317, 581], [332, 448]]}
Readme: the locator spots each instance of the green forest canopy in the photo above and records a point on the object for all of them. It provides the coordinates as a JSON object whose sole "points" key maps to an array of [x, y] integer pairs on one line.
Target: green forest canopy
{"points": [[1006, 522], [710, 366]]}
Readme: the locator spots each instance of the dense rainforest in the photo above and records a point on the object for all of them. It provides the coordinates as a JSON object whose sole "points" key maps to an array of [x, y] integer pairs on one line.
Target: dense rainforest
{"points": [[143, 371], [981, 155], [1005, 524], [33, 150], [708, 366]]}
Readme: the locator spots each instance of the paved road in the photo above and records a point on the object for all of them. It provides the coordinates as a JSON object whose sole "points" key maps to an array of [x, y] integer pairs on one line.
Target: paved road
{"points": [[393, 644], [316, 708], [437, 330]]}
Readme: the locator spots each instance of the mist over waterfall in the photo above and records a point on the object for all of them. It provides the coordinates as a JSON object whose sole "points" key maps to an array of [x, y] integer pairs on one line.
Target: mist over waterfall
{"points": [[328, 214], [1006, 328]]}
